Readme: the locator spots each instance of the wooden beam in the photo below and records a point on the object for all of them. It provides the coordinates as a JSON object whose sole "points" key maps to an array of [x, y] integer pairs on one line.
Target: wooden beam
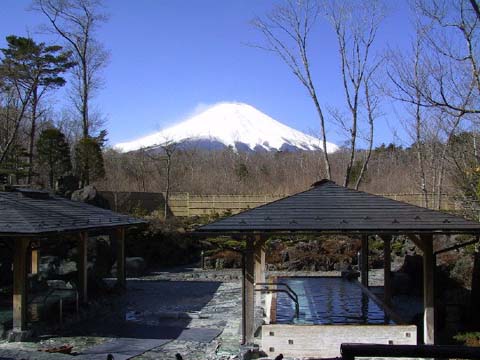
{"points": [[82, 267], [364, 261], [119, 235], [20, 284], [387, 275], [244, 299], [259, 259], [248, 314], [383, 351], [417, 241], [428, 290]]}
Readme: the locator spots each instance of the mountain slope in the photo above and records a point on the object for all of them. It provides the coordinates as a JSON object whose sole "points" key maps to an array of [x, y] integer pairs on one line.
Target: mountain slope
{"points": [[231, 124]]}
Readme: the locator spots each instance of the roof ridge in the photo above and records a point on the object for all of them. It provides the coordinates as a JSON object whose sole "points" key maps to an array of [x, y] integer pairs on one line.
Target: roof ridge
{"points": [[322, 182]]}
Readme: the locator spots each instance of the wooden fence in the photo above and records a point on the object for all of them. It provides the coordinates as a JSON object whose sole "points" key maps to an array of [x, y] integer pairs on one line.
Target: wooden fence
{"points": [[191, 205], [185, 204]]}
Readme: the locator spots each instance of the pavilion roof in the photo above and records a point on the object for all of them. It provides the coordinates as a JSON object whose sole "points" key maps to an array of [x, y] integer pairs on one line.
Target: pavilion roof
{"points": [[328, 207], [30, 212]]}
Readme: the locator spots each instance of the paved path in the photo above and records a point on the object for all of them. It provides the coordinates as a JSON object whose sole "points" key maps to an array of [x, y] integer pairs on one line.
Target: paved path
{"points": [[188, 311]]}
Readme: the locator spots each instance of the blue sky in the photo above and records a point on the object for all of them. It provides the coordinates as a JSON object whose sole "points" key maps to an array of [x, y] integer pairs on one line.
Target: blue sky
{"points": [[171, 57]]}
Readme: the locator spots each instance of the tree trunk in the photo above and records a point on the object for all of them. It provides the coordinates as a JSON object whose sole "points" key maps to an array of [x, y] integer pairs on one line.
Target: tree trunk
{"points": [[353, 139], [18, 120], [33, 129], [85, 99], [326, 160], [370, 146], [167, 188]]}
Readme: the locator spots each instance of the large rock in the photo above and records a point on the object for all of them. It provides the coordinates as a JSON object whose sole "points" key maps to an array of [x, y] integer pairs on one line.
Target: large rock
{"points": [[134, 266], [219, 264], [67, 267], [90, 195], [48, 266]]}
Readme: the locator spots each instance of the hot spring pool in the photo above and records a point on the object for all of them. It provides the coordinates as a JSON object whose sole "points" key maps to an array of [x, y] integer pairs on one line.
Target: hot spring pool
{"points": [[328, 300]]}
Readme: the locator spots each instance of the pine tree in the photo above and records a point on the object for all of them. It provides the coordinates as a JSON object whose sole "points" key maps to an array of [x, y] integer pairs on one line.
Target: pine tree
{"points": [[89, 160], [54, 153], [35, 68]]}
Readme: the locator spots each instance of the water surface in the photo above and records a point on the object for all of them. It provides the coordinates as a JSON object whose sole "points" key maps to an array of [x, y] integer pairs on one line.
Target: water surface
{"points": [[328, 300]]}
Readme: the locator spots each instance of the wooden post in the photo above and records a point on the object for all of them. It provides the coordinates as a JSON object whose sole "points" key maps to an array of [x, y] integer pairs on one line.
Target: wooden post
{"points": [[82, 267], [248, 315], [259, 260], [387, 280], [364, 262], [244, 300], [35, 260], [20, 284], [120, 245], [428, 290]]}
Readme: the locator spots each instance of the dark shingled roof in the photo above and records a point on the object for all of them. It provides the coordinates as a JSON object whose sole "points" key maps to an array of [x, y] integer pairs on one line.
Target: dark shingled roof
{"points": [[27, 212], [332, 208]]}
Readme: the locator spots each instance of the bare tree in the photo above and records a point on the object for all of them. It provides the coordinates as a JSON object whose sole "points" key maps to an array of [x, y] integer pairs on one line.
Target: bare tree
{"points": [[442, 83], [407, 74], [371, 104], [356, 27], [163, 162], [76, 22], [287, 31], [475, 7], [452, 34]]}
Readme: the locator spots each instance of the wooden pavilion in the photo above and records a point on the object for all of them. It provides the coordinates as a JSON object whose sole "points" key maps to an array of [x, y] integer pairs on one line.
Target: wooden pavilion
{"points": [[328, 208], [28, 215]]}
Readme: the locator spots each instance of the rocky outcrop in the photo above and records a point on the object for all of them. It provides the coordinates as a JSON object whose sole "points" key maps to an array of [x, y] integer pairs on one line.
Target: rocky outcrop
{"points": [[90, 195], [325, 254]]}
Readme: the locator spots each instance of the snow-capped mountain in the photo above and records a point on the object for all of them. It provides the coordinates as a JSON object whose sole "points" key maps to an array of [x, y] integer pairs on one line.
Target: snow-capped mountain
{"points": [[230, 124]]}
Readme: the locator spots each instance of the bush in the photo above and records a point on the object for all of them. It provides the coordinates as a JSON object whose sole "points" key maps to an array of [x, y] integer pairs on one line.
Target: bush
{"points": [[469, 338], [163, 243]]}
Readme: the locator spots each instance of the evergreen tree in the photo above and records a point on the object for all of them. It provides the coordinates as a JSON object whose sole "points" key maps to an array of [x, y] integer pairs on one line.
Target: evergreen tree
{"points": [[89, 159], [54, 153], [15, 165], [36, 68]]}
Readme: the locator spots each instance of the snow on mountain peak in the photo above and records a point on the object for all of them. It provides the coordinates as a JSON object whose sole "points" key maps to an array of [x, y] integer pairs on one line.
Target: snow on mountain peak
{"points": [[231, 124]]}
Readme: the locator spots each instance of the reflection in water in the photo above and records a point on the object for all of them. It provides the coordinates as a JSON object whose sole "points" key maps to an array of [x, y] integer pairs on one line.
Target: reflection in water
{"points": [[328, 300]]}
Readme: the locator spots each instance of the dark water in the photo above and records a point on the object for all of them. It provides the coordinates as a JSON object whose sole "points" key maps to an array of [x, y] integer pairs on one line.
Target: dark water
{"points": [[328, 300]]}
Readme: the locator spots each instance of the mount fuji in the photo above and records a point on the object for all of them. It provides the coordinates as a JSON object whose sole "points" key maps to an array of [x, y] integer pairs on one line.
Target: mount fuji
{"points": [[238, 125]]}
